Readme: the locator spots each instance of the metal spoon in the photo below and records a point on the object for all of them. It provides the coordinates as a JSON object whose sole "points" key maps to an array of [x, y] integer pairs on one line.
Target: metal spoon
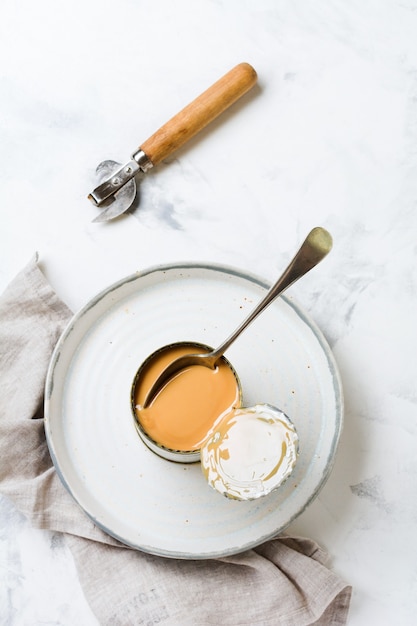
{"points": [[315, 247]]}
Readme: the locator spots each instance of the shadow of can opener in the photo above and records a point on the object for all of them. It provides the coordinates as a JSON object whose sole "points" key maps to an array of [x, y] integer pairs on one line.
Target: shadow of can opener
{"points": [[117, 189]]}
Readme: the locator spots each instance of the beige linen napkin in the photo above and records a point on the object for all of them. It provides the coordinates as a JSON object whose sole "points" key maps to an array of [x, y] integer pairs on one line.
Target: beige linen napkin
{"points": [[283, 582]]}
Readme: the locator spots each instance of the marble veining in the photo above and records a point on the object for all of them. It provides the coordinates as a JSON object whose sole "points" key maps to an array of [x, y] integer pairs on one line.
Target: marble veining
{"points": [[370, 489]]}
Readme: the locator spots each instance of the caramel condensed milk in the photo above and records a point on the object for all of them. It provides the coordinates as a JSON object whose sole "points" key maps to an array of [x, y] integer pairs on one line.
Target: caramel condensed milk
{"points": [[184, 412]]}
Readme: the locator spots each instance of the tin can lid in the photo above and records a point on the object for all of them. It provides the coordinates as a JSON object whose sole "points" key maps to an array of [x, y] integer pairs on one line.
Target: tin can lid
{"points": [[250, 452]]}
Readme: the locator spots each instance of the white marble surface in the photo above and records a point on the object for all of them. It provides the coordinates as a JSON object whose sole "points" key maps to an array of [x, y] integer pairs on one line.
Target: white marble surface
{"points": [[328, 137]]}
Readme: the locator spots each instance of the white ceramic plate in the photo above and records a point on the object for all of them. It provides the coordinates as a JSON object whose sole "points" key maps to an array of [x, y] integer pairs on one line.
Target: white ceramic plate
{"points": [[155, 505]]}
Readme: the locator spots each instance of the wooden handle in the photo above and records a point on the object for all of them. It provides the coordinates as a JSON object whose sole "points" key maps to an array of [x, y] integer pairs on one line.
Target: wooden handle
{"points": [[196, 115]]}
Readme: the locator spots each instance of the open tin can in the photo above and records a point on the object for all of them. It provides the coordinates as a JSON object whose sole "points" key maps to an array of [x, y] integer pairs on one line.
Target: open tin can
{"points": [[176, 425]]}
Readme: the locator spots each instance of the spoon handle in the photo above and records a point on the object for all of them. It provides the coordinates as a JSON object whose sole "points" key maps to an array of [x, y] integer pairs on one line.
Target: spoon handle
{"points": [[315, 247]]}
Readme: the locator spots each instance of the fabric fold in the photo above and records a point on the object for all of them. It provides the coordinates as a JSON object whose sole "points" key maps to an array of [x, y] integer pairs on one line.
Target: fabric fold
{"points": [[284, 581]]}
